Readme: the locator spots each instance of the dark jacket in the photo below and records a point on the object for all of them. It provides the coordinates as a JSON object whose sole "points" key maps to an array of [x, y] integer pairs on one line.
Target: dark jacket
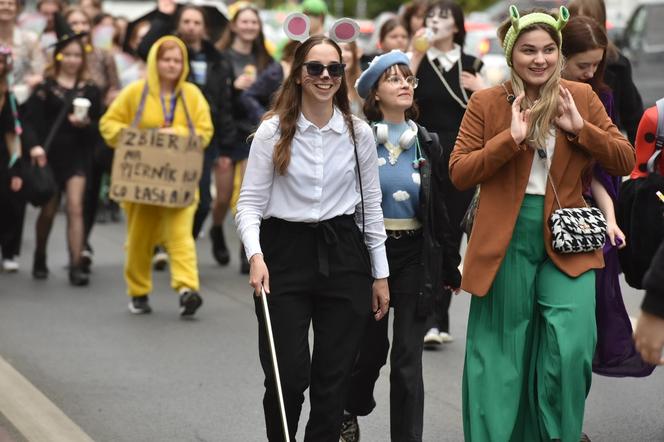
{"points": [[627, 100], [218, 88], [258, 97], [653, 282], [440, 255]]}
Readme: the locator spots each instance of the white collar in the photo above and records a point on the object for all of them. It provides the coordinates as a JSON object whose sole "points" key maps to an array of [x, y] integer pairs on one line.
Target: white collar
{"points": [[336, 123], [447, 59]]}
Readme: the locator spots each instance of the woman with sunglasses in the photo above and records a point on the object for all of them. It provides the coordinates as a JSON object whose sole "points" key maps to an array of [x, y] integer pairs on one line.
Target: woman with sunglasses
{"points": [[419, 256], [310, 192]]}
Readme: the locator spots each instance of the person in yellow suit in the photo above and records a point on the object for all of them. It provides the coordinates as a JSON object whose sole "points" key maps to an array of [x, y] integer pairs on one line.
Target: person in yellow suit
{"points": [[165, 101]]}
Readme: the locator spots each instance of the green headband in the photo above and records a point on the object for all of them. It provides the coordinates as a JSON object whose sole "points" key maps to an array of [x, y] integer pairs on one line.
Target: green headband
{"points": [[520, 23]]}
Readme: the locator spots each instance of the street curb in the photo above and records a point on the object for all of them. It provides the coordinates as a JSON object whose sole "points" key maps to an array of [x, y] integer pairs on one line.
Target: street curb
{"points": [[33, 415]]}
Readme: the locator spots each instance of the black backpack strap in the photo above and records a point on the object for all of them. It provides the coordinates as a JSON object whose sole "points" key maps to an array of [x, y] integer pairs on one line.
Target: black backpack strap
{"points": [[68, 99], [659, 143]]}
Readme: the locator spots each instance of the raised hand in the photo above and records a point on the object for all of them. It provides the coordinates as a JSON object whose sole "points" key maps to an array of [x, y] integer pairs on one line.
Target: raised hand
{"points": [[520, 120], [472, 82], [568, 118]]}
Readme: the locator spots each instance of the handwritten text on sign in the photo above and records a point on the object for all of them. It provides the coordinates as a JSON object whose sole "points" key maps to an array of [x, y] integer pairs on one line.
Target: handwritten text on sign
{"points": [[152, 167]]}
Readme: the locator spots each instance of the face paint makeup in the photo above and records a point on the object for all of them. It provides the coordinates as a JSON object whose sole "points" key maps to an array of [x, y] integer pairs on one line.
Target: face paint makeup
{"points": [[441, 23]]}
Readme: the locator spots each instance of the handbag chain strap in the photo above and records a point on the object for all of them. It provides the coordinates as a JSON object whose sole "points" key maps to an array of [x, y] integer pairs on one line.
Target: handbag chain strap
{"points": [[542, 154]]}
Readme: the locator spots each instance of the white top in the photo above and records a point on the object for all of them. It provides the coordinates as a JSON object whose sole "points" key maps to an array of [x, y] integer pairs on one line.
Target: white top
{"points": [[538, 172], [447, 59], [320, 183]]}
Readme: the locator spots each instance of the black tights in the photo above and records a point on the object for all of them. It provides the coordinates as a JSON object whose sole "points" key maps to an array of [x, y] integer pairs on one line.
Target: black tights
{"points": [[75, 189]]}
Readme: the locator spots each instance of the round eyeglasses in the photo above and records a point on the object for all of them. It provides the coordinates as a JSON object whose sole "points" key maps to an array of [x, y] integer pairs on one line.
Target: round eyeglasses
{"points": [[395, 80]]}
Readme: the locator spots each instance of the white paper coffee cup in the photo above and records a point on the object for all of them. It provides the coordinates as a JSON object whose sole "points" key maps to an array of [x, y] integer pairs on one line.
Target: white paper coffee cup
{"points": [[21, 92], [81, 107]]}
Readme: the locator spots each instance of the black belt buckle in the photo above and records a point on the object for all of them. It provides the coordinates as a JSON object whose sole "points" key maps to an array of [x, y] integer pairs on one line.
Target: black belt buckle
{"points": [[398, 234]]}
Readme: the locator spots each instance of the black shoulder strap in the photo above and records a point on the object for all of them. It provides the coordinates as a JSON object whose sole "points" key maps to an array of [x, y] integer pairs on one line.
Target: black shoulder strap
{"points": [[69, 97], [659, 143]]}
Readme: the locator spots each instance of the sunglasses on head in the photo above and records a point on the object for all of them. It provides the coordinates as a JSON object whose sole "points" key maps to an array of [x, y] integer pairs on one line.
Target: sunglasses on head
{"points": [[316, 69]]}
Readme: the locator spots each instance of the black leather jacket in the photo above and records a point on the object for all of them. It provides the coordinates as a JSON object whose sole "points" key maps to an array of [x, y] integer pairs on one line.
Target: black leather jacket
{"points": [[440, 256]]}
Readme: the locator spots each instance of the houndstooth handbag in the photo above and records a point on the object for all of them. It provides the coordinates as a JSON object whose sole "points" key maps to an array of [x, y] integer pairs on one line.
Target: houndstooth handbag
{"points": [[575, 230]]}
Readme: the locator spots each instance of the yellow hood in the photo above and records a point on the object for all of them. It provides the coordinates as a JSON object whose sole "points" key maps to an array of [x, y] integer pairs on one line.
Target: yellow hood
{"points": [[152, 75]]}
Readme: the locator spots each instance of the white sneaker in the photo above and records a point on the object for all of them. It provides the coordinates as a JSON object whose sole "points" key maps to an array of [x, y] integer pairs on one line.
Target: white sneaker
{"points": [[159, 259], [446, 338], [433, 337], [10, 265]]}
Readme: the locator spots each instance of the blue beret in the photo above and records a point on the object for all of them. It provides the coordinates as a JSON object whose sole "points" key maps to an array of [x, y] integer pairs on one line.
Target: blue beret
{"points": [[379, 65]]}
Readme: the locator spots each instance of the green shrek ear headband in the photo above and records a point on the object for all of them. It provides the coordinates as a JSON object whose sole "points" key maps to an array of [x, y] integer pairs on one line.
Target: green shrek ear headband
{"points": [[520, 23]]}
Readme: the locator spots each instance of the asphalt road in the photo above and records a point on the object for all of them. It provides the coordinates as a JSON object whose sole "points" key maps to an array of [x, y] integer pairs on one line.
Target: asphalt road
{"points": [[157, 378]]}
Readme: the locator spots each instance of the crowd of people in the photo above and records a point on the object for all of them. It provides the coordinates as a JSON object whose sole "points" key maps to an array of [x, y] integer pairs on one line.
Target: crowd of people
{"points": [[353, 178]]}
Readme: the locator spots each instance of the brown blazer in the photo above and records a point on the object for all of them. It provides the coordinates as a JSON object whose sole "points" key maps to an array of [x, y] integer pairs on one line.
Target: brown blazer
{"points": [[485, 153]]}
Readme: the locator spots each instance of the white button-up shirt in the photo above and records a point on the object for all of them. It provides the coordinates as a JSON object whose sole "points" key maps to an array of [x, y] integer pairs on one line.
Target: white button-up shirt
{"points": [[319, 184]]}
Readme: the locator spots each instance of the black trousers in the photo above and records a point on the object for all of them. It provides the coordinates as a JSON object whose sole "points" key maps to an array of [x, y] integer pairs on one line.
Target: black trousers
{"points": [[320, 275], [406, 386], [12, 220], [205, 197], [457, 203]]}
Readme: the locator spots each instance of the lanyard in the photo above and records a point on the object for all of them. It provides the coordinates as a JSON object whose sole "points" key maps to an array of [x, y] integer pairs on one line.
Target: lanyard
{"points": [[169, 115], [141, 107]]}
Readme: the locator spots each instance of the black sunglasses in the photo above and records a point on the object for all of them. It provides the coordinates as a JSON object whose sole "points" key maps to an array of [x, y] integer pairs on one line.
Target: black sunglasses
{"points": [[316, 69]]}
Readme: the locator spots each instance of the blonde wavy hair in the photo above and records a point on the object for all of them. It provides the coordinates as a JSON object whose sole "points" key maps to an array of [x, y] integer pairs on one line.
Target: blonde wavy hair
{"points": [[544, 109]]}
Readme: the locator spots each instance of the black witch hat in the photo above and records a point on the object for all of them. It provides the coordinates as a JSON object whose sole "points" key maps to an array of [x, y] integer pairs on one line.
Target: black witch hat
{"points": [[64, 33]]}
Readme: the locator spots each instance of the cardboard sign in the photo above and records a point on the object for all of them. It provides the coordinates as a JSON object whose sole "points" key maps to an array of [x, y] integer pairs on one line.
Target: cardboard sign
{"points": [[152, 167]]}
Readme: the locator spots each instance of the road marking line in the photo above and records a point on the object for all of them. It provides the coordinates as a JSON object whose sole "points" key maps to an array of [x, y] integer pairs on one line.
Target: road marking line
{"points": [[32, 413]]}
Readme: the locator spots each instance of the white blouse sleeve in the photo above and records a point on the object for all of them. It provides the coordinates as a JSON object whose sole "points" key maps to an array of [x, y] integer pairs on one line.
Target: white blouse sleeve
{"points": [[256, 187], [374, 226]]}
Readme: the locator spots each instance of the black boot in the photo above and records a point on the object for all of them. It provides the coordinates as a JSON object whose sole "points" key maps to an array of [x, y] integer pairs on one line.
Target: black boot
{"points": [[77, 277], [39, 269], [219, 249], [244, 264]]}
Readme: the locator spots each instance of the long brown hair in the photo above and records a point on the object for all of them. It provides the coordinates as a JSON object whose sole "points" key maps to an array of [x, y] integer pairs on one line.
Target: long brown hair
{"points": [[53, 69], [595, 9], [371, 106], [412, 9], [351, 75], [584, 34], [545, 108], [258, 49], [288, 103], [4, 73]]}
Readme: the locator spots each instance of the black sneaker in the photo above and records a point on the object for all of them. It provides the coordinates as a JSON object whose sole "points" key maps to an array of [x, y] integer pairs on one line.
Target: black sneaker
{"points": [[39, 269], [78, 277], [159, 259], [219, 249], [190, 301], [350, 429], [139, 305]]}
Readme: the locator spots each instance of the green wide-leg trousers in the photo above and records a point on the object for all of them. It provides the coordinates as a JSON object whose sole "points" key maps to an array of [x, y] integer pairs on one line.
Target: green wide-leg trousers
{"points": [[530, 344]]}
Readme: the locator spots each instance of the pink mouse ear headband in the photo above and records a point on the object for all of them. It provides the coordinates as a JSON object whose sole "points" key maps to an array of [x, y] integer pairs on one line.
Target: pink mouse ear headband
{"points": [[297, 25]]}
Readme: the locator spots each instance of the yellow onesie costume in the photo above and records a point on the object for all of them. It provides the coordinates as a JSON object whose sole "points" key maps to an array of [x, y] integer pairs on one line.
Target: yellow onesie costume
{"points": [[149, 225]]}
